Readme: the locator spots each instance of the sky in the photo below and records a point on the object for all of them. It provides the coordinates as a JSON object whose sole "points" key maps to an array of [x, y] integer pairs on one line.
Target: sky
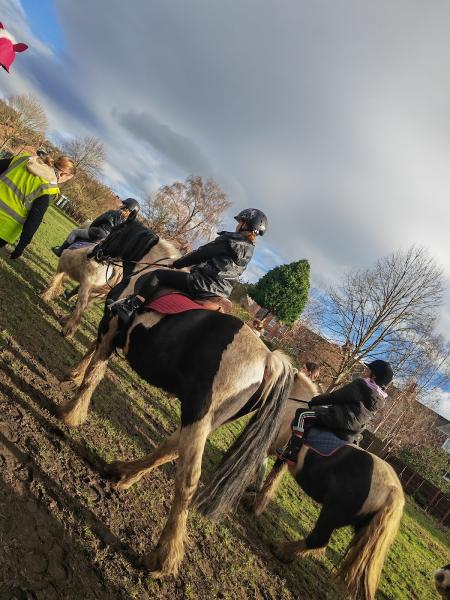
{"points": [[332, 117]]}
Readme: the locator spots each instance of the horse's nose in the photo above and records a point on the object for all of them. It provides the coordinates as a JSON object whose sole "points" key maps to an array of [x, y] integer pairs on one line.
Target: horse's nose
{"points": [[439, 577]]}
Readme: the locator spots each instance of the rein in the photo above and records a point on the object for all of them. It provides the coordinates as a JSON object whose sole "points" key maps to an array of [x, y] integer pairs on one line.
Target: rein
{"points": [[298, 400], [100, 259]]}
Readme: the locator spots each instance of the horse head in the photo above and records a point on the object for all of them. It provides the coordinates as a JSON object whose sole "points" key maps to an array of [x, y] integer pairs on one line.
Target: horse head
{"points": [[129, 241]]}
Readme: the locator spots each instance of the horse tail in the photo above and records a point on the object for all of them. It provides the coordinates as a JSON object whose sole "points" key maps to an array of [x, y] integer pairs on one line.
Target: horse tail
{"points": [[271, 484], [238, 466], [364, 559]]}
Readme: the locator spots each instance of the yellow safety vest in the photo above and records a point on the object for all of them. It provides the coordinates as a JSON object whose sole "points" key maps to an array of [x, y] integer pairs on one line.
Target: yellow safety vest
{"points": [[18, 190]]}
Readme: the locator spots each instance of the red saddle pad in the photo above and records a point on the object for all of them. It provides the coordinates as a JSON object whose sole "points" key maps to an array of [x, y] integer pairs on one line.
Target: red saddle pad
{"points": [[173, 304]]}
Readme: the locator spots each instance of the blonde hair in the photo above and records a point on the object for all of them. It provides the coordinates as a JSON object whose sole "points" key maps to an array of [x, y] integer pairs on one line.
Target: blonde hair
{"points": [[62, 163]]}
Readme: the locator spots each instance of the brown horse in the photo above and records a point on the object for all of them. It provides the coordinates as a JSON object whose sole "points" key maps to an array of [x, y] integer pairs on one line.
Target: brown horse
{"points": [[217, 368], [354, 488], [95, 281]]}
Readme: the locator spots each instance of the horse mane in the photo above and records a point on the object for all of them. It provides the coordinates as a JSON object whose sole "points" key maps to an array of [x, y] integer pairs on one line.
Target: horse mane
{"points": [[303, 385]]}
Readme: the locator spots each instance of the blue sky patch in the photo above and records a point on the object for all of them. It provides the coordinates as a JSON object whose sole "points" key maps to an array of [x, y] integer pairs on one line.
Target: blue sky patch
{"points": [[43, 21]]}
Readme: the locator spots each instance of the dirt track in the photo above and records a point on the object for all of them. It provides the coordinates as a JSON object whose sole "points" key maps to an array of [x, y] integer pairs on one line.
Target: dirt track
{"points": [[64, 531]]}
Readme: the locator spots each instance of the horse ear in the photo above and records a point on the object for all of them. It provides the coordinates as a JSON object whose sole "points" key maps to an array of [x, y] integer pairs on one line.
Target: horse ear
{"points": [[295, 371], [131, 216], [20, 47]]}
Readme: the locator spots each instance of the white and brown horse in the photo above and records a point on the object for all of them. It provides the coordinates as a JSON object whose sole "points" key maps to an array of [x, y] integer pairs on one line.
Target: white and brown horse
{"points": [[215, 365], [354, 488], [95, 281]]}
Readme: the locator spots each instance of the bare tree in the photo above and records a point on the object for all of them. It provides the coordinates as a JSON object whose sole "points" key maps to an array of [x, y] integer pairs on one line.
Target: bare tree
{"points": [[405, 422], [89, 197], [388, 311], [23, 118], [188, 211], [88, 153]]}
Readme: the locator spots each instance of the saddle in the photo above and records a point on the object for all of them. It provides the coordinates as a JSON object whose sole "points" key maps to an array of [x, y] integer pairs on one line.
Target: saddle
{"points": [[172, 302], [80, 244]]}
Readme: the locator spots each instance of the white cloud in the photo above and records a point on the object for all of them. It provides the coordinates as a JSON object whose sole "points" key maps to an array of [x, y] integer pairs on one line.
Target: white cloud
{"points": [[331, 118]]}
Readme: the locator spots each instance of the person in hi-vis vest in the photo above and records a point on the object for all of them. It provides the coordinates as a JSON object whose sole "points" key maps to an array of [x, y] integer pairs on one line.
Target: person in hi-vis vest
{"points": [[27, 184]]}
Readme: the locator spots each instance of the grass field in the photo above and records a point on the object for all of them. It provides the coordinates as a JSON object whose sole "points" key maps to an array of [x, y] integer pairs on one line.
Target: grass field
{"points": [[91, 536]]}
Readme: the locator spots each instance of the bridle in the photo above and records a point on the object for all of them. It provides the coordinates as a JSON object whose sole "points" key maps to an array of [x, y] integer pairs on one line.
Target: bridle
{"points": [[99, 257]]}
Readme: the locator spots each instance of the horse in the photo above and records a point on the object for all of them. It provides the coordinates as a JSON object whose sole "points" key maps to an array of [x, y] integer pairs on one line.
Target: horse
{"points": [[355, 488], [217, 368], [305, 389], [95, 281]]}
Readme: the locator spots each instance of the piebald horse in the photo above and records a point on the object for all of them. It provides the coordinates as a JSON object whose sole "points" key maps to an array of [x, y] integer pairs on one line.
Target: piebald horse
{"points": [[354, 487], [215, 365], [305, 389], [95, 281]]}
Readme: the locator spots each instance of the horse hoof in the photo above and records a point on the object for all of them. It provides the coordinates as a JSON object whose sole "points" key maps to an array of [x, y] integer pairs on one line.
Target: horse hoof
{"points": [[248, 501], [68, 385], [278, 550], [63, 320], [153, 564], [118, 475], [112, 471]]}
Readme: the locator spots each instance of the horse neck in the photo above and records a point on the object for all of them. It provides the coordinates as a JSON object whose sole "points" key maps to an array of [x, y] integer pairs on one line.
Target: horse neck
{"points": [[162, 252], [303, 388]]}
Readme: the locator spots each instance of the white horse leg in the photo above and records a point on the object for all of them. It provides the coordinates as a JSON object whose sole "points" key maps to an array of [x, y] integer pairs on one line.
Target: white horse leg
{"points": [[54, 288], [260, 475], [75, 318], [129, 472], [165, 559], [74, 412]]}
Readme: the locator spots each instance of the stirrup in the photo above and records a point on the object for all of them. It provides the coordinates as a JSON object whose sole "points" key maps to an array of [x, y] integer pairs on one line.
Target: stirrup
{"points": [[125, 309]]}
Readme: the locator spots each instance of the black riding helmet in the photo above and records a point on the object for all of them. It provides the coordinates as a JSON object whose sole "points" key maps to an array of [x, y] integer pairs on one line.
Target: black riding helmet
{"points": [[131, 204], [382, 372], [255, 220]]}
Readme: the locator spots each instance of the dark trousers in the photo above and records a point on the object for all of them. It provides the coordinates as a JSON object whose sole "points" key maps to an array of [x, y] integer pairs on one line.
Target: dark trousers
{"points": [[147, 284]]}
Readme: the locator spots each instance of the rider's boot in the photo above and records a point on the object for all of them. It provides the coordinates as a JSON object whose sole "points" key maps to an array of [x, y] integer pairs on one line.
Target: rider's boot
{"points": [[126, 308], [58, 250], [289, 453]]}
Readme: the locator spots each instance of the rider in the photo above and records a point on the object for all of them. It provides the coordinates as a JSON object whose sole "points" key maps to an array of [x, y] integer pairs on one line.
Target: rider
{"points": [[100, 227], [216, 266], [345, 411], [27, 184]]}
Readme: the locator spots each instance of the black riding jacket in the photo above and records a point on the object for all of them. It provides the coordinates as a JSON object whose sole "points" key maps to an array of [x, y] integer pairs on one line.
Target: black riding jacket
{"points": [[348, 410], [102, 225], [218, 265]]}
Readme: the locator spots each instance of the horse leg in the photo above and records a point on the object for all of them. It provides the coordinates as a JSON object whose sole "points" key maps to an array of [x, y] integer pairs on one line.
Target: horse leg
{"points": [[168, 554], [129, 472], [317, 541], [76, 375], [74, 411], [54, 288], [269, 488], [75, 318], [260, 475]]}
